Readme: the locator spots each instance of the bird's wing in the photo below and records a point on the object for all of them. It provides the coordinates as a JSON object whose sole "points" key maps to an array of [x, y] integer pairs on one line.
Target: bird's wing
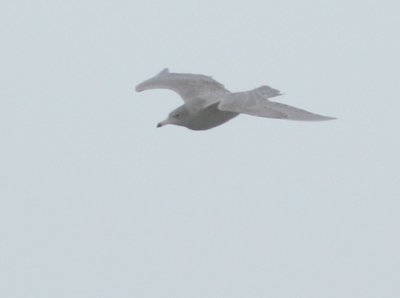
{"points": [[256, 102], [188, 86]]}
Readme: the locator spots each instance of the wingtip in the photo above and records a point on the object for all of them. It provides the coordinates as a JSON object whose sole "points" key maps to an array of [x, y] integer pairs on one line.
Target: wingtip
{"points": [[324, 118], [139, 87]]}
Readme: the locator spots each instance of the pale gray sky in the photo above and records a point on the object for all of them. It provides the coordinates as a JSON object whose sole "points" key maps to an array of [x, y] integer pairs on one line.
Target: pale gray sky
{"points": [[97, 202]]}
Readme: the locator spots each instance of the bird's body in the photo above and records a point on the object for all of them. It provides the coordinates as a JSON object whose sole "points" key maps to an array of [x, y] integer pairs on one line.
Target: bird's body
{"points": [[208, 104], [209, 117]]}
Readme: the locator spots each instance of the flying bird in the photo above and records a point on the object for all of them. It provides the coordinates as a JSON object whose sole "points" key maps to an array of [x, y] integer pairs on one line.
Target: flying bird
{"points": [[208, 104]]}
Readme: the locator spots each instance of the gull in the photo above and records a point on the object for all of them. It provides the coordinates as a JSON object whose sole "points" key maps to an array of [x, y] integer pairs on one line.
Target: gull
{"points": [[208, 104]]}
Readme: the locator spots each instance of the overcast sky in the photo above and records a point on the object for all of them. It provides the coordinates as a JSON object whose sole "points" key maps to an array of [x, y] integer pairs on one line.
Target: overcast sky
{"points": [[95, 201]]}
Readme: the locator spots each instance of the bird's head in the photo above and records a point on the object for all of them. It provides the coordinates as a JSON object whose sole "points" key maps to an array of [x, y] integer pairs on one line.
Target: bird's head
{"points": [[179, 116]]}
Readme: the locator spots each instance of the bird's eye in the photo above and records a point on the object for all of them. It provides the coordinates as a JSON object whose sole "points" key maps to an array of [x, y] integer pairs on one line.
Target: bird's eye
{"points": [[177, 115]]}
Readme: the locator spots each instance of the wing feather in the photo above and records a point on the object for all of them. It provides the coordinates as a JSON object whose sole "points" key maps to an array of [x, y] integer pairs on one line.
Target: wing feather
{"points": [[188, 86], [256, 103]]}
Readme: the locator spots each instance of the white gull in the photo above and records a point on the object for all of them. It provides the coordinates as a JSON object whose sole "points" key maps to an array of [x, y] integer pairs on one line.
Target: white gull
{"points": [[208, 104]]}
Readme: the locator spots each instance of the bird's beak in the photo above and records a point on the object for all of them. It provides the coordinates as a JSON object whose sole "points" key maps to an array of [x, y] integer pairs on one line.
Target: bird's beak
{"points": [[162, 123]]}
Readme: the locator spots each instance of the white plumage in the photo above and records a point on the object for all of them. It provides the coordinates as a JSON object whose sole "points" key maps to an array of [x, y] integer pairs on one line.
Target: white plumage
{"points": [[208, 104]]}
